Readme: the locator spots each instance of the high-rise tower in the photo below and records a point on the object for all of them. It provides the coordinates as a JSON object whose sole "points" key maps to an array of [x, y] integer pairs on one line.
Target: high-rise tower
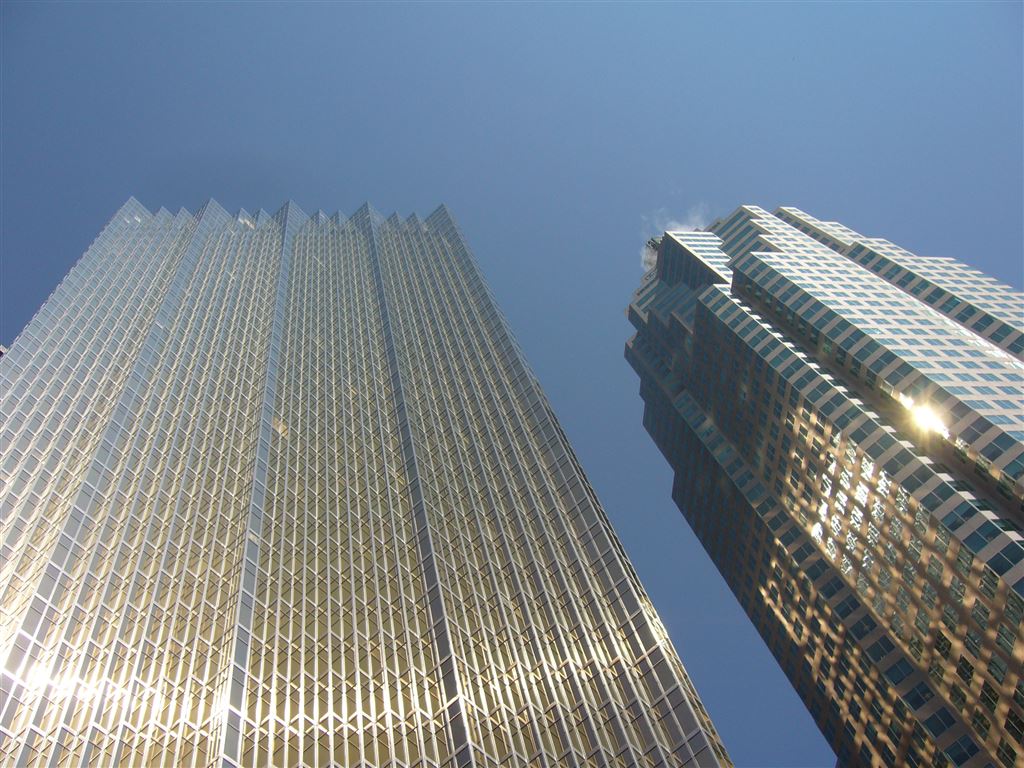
{"points": [[846, 425], [281, 490]]}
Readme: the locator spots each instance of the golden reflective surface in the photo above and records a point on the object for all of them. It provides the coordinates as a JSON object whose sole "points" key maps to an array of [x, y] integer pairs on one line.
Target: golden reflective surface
{"points": [[280, 490]]}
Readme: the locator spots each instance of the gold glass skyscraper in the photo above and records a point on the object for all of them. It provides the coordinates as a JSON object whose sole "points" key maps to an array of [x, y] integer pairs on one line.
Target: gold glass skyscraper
{"points": [[281, 490], [846, 424]]}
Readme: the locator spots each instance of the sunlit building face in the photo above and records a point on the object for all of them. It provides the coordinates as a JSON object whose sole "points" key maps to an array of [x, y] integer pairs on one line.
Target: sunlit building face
{"points": [[281, 490], [846, 424]]}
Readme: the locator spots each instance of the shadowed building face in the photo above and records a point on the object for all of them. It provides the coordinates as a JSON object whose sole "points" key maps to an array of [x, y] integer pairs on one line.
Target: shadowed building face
{"points": [[281, 490], [846, 424]]}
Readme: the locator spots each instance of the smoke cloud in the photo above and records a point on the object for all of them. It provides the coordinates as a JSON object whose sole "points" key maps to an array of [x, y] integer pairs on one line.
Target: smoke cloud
{"points": [[660, 221]]}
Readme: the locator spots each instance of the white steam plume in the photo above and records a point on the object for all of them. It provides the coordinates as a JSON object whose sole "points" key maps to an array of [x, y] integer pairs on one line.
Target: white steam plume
{"points": [[660, 221]]}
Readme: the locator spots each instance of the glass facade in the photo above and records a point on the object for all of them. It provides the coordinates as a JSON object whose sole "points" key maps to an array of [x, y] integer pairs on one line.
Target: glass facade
{"points": [[281, 490], [846, 425]]}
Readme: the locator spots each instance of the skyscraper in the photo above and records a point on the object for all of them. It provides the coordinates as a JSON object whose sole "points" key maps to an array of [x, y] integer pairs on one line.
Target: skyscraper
{"points": [[281, 490], [846, 425]]}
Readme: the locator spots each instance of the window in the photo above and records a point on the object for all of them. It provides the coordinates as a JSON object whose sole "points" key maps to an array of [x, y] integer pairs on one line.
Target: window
{"points": [[862, 627], [1005, 638], [962, 750], [919, 695], [848, 605], [1015, 725], [939, 722], [832, 586], [982, 536], [880, 649], [997, 668], [1006, 558], [959, 516], [899, 671], [981, 724], [965, 670], [1007, 754], [973, 642]]}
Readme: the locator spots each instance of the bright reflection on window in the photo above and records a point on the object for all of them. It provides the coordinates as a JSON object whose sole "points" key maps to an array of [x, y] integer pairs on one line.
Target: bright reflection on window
{"points": [[64, 687], [924, 417]]}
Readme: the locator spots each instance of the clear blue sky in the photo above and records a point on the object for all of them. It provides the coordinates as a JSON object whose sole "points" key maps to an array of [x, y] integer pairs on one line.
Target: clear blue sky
{"points": [[560, 136]]}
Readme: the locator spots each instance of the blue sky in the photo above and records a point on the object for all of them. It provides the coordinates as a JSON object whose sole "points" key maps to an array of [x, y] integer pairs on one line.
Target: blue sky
{"points": [[561, 135]]}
